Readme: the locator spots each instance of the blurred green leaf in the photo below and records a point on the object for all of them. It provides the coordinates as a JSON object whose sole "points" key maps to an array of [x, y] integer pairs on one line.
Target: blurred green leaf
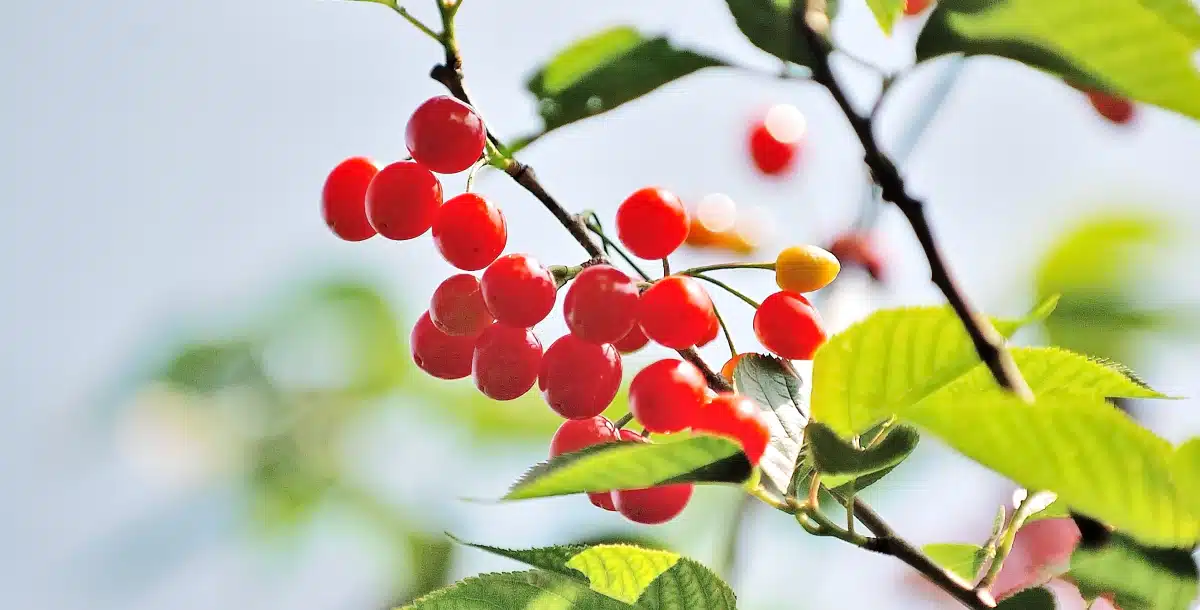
{"points": [[516, 591], [1140, 578], [843, 462], [432, 558], [1139, 49], [1029, 599], [206, 367], [964, 560], [776, 388], [603, 71], [378, 353], [643, 578], [699, 459], [768, 24], [886, 12]]}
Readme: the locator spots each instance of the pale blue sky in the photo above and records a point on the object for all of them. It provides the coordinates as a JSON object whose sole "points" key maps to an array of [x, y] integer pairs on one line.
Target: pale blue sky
{"points": [[162, 160]]}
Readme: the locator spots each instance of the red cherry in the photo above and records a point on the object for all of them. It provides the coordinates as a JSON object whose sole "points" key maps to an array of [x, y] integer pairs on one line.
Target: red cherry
{"points": [[1116, 109], [457, 306], [859, 250], [736, 417], [518, 290], [789, 326], [579, 379], [601, 304], [675, 312], [652, 223], [469, 232], [654, 505], [710, 335], [506, 361], [775, 139], [665, 396], [913, 7], [445, 135], [402, 200], [575, 434], [633, 341], [439, 354], [344, 198]]}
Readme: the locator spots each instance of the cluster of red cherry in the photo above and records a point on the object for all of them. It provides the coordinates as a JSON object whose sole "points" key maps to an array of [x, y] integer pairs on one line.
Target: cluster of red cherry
{"points": [[482, 327]]}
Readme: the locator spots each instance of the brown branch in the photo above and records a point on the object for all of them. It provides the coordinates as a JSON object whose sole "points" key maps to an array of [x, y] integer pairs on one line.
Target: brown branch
{"points": [[989, 344]]}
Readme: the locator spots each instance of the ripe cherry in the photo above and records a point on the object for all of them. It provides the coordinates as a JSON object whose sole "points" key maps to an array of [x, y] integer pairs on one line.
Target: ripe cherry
{"points": [[789, 326], [710, 335], [736, 417], [445, 135], [653, 505], [457, 306], [1116, 109], [675, 312], [518, 290], [344, 198], [579, 379], [575, 434], [913, 7], [469, 232], [775, 140], [506, 361], [439, 354], [652, 223], [730, 366], [402, 200], [665, 396], [633, 341], [601, 304]]}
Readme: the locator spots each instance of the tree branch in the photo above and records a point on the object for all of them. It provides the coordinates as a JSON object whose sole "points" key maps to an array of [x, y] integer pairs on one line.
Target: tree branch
{"points": [[989, 344]]}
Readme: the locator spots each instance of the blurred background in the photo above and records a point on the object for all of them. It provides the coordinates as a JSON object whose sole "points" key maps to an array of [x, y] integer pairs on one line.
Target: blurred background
{"points": [[209, 398]]}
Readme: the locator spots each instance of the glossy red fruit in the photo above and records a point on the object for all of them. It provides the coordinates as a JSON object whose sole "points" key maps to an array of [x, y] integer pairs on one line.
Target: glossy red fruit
{"points": [[860, 250], [775, 139], [403, 200], [1116, 109], [710, 335], [633, 341], [518, 290], [439, 354], [913, 7], [469, 232], [666, 395], [445, 135], [575, 434], [675, 312], [457, 306], [736, 417], [654, 505], [789, 326], [579, 379], [344, 198], [506, 361], [652, 223], [601, 304]]}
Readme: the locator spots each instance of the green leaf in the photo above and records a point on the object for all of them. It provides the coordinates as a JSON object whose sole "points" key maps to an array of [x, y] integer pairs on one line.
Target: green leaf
{"points": [[1056, 510], [432, 559], [768, 24], [605, 70], [1029, 599], [642, 578], [886, 12], [834, 456], [207, 367], [1142, 49], [516, 591], [699, 459], [1099, 462], [1186, 471], [1140, 578], [891, 360], [774, 385], [964, 560]]}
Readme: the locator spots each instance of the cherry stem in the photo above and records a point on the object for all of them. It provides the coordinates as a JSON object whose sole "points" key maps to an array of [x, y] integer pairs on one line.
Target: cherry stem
{"points": [[719, 267], [666, 267], [730, 289], [625, 419], [593, 224], [725, 329]]}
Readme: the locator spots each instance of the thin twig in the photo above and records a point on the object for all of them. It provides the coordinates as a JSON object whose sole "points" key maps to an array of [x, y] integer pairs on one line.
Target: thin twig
{"points": [[730, 289], [987, 341]]}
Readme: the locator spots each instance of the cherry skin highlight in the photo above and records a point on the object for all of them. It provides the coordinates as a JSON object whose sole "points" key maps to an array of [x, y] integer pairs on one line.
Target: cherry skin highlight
{"points": [[675, 312], [575, 434], [469, 232], [457, 306], [445, 135], [579, 379], [518, 290], [506, 361], [601, 304], [666, 395], [344, 199], [402, 200], [652, 223], [789, 326]]}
